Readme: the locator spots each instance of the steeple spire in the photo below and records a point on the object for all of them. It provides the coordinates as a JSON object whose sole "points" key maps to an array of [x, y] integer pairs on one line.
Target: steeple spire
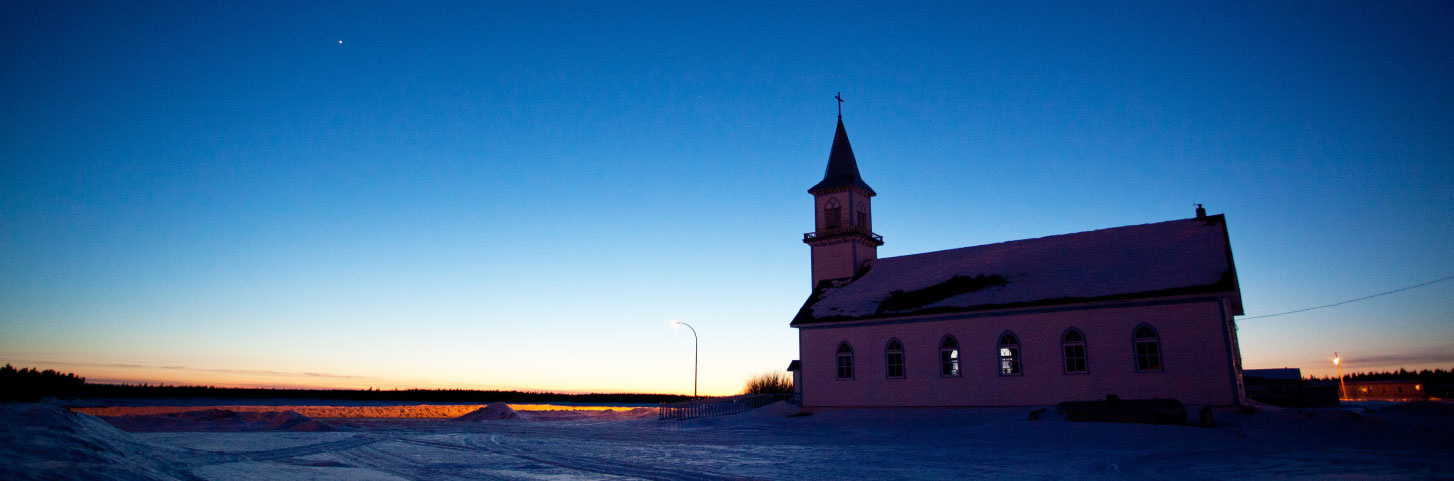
{"points": [[842, 166]]}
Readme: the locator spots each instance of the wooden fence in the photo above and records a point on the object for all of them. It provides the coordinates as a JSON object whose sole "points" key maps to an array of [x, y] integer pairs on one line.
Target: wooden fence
{"points": [[717, 406]]}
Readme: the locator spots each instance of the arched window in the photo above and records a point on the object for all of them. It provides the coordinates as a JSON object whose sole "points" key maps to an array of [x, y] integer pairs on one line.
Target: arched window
{"points": [[894, 359], [845, 361], [862, 217], [949, 357], [832, 214], [1072, 347], [1148, 348], [1009, 354]]}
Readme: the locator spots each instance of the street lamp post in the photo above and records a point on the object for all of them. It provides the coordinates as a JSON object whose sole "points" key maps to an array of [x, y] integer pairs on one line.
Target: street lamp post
{"points": [[695, 356], [1342, 391]]}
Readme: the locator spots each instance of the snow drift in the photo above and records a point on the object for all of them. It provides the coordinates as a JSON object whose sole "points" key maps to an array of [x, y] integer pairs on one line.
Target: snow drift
{"points": [[494, 412], [219, 420], [44, 441]]}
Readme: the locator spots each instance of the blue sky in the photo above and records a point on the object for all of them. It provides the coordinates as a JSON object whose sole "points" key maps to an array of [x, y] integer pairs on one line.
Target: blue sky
{"points": [[523, 196]]}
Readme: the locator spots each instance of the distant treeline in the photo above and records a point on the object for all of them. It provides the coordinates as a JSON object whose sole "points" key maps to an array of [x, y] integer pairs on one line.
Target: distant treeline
{"points": [[1444, 376], [1438, 382], [31, 385]]}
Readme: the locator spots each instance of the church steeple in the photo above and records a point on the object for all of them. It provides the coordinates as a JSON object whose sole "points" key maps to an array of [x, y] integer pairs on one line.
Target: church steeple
{"points": [[843, 241], [842, 166]]}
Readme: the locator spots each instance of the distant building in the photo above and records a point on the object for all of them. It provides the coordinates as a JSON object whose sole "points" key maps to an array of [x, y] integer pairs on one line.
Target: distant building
{"points": [[1276, 374], [1142, 311], [1384, 390], [1286, 387]]}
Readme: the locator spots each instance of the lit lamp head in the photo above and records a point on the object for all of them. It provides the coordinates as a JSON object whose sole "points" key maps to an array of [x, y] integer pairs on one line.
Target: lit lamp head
{"points": [[676, 323], [1336, 360]]}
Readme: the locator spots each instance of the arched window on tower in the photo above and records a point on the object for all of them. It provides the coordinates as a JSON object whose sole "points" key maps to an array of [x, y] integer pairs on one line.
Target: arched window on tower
{"points": [[832, 214], [1009, 354], [1148, 348], [894, 359], [948, 357], [862, 218], [1072, 347], [845, 360]]}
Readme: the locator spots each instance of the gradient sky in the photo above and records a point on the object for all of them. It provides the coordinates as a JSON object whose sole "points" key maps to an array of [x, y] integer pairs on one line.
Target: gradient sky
{"points": [[517, 196]]}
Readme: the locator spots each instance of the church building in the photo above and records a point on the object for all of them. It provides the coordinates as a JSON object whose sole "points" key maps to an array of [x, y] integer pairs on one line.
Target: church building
{"points": [[1140, 311]]}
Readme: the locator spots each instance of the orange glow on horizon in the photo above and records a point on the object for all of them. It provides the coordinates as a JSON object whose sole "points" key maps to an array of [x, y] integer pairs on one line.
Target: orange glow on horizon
{"points": [[415, 411], [262, 379]]}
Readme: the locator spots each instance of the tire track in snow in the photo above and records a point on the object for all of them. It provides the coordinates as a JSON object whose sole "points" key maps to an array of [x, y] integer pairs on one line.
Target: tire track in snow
{"points": [[600, 466], [373, 453], [1282, 462], [218, 457], [378, 458]]}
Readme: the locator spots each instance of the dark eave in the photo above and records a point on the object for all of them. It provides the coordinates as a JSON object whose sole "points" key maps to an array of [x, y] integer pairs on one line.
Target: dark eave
{"points": [[805, 314]]}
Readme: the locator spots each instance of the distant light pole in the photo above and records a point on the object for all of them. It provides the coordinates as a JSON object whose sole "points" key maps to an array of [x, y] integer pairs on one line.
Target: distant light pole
{"points": [[695, 356], [1342, 391]]}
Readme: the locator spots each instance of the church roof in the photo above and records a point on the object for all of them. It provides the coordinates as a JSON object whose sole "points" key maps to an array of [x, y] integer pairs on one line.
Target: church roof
{"points": [[1180, 257], [842, 167]]}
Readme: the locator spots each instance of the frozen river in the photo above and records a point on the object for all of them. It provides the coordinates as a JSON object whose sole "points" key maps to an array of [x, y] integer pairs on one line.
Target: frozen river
{"points": [[1378, 442]]}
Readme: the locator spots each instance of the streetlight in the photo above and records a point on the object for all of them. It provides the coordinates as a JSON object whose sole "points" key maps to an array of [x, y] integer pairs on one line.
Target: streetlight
{"points": [[695, 356], [1342, 391]]}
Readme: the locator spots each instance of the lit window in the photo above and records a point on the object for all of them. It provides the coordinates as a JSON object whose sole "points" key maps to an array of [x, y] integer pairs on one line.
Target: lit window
{"points": [[949, 357], [1073, 348], [832, 214], [1148, 348], [894, 359], [845, 361], [1009, 355]]}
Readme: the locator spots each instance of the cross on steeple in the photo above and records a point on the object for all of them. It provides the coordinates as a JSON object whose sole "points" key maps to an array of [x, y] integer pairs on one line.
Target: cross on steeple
{"points": [[840, 104]]}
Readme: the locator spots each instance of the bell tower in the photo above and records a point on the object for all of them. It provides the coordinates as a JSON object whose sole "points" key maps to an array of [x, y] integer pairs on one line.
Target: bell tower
{"points": [[842, 239]]}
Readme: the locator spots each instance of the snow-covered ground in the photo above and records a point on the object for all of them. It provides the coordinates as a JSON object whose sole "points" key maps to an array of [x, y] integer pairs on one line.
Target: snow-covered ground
{"points": [[335, 411], [1372, 441]]}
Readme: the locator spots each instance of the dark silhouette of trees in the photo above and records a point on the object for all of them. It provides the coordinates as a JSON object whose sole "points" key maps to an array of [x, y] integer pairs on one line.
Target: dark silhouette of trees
{"points": [[28, 384], [1426, 375]]}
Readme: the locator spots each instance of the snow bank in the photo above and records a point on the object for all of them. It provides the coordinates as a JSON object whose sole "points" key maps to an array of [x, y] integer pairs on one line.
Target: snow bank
{"points": [[635, 413], [494, 412], [44, 441], [339, 411], [502, 411], [323, 412], [1406, 441], [780, 409], [219, 420], [1438, 410], [602, 415]]}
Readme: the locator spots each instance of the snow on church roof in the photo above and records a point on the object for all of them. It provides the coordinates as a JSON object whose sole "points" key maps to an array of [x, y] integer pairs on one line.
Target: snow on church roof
{"points": [[1179, 257]]}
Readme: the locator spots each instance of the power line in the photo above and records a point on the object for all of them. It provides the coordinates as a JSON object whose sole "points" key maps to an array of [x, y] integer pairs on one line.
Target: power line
{"points": [[1401, 289]]}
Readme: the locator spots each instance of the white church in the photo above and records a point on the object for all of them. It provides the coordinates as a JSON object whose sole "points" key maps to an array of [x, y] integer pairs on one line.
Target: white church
{"points": [[1141, 311]]}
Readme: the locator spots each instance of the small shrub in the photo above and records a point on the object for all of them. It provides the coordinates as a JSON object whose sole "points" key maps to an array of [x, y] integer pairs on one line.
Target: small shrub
{"points": [[771, 382]]}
